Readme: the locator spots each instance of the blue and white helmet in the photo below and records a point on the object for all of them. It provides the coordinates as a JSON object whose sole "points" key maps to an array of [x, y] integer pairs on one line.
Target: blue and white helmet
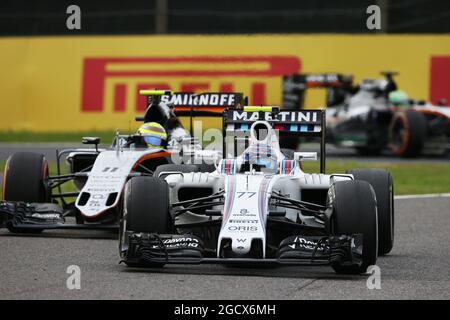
{"points": [[260, 154]]}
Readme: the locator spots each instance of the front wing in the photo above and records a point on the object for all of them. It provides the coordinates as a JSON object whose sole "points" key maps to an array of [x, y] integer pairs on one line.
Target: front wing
{"points": [[155, 250], [28, 217]]}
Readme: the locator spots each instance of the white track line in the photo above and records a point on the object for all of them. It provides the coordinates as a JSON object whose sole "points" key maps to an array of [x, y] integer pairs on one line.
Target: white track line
{"points": [[420, 196]]}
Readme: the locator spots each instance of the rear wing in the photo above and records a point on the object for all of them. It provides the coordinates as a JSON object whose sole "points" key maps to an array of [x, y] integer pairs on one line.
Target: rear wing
{"points": [[310, 123], [304, 122], [189, 104], [295, 86]]}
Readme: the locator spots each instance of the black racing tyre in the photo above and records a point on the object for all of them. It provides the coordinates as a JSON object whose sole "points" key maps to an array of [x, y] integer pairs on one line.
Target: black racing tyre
{"points": [[146, 209], [26, 178], [184, 168], [355, 211], [146, 204], [382, 183], [407, 133]]}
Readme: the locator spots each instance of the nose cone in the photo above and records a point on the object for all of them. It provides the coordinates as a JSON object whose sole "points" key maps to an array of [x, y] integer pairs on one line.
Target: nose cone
{"points": [[240, 246]]}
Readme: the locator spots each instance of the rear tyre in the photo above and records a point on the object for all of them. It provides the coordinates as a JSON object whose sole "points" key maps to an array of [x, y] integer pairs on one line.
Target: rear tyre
{"points": [[355, 211], [407, 133], [26, 179], [146, 209], [382, 183]]}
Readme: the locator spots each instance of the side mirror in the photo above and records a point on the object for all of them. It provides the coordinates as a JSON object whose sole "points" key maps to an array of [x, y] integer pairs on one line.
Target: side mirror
{"points": [[90, 140], [305, 156]]}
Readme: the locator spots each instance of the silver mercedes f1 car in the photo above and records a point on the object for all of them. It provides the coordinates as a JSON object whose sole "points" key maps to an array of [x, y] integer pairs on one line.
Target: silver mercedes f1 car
{"points": [[259, 206], [361, 116]]}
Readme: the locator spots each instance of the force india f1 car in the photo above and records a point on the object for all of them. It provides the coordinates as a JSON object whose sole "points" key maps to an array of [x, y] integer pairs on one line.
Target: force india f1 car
{"points": [[362, 117], [259, 207], [33, 200]]}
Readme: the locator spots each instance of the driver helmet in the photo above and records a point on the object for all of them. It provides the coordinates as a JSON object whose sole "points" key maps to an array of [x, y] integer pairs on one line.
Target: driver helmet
{"points": [[398, 97], [153, 134], [261, 154]]}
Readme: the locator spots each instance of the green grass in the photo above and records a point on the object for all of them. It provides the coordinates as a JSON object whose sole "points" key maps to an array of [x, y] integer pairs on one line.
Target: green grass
{"points": [[29, 136], [409, 178]]}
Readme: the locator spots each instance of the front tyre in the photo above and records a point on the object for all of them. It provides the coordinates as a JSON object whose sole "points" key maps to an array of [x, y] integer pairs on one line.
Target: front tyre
{"points": [[146, 209], [25, 178], [383, 185], [354, 211]]}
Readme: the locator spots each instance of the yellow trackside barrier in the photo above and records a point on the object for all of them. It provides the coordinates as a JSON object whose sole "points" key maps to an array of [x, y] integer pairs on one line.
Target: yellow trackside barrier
{"points": [[95, 82]]}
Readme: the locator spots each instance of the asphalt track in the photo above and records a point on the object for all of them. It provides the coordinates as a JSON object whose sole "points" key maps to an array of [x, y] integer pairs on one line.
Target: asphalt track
{"points": [[34, 267]]}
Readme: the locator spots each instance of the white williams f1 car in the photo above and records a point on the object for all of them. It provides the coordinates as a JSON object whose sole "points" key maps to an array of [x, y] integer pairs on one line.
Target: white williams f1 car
{"points": [[259, 207]]}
